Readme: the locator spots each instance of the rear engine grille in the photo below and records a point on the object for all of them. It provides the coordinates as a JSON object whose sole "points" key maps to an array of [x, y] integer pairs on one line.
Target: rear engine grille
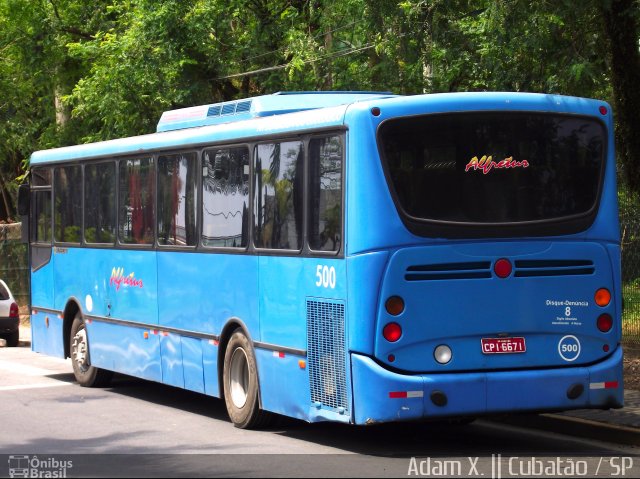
{"points": [[327, 354], [553, 267], [443, 271]]}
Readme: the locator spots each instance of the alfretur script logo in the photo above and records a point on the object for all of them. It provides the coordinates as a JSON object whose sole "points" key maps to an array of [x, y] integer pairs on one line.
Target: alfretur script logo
{"points": [[118, 278]]}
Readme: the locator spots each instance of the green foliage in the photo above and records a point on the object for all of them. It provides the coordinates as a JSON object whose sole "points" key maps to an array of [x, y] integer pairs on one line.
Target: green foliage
{"points": [[74, 71]]}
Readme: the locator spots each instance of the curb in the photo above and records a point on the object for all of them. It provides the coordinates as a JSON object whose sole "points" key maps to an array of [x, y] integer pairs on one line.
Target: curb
{"points": [[574, 426]]}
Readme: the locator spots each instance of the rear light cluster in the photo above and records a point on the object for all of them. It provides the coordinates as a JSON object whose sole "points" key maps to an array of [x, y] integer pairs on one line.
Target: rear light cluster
{"points": [[13, 310], [395, 307], [602, 299]]}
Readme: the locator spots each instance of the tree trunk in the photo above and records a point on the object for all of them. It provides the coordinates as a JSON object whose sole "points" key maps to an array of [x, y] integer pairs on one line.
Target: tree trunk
{"points": [[5, 199], [62, 114], [328, 48], [621, 31]]}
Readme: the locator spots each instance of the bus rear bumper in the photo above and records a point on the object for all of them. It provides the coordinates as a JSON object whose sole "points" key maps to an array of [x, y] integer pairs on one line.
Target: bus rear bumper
{"points": [[380, 395]]}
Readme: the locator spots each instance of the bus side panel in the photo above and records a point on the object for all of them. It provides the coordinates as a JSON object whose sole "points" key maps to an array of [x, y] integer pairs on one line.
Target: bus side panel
{"points": [[285, 382], [46, 334], [118, 285], [284, 385], [125, 349], [210, 367], [202, 292], [192, 364], [171, 358], [46, 327], [42, 287], [365, 273]]}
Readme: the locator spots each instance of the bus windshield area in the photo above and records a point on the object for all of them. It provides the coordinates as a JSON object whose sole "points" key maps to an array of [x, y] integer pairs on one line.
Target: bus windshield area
{"points": [[493, 167]]}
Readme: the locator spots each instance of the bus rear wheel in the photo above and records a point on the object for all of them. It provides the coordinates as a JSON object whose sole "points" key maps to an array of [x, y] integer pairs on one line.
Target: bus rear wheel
{"points": [[240, 379], [86, 375]]}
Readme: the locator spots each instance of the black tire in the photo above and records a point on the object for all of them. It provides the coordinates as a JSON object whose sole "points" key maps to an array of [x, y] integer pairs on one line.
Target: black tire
{"points": [[86, 375], [13, 339], [240, 380]]}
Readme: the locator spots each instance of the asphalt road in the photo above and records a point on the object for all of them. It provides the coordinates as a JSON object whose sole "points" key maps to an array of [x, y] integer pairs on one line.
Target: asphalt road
{"points": [[145, 429]]}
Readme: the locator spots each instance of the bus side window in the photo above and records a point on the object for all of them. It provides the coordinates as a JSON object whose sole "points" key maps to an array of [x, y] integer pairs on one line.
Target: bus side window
{"points": [[325, 193], [41, 206], [225, 197], [136, 198], [100, 203], [67, 189], [177, 199], [278, 195]]}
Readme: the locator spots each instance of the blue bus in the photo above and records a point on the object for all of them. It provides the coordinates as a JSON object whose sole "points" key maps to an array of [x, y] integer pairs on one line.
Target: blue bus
{"points": [[357, 257]]}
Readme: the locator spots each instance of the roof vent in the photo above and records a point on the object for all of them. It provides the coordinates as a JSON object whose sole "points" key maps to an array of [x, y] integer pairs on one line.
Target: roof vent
{"points": [[266, 105]]}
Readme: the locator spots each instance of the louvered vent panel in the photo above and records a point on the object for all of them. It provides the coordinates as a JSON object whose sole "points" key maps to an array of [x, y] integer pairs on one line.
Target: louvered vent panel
{"points": [[326, 353]]}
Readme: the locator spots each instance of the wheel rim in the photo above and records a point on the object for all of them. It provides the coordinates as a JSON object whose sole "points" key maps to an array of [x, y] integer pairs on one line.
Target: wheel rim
{"points": [[239, 378], [79, 350]]}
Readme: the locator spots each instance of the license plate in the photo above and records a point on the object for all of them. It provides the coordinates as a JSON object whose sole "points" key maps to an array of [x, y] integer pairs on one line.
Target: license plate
{"points": [[503, 345]]}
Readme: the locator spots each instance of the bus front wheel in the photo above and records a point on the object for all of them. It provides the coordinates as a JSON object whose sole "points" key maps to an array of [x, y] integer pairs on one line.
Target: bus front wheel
{"points": [[86, 375], [240, 378]]}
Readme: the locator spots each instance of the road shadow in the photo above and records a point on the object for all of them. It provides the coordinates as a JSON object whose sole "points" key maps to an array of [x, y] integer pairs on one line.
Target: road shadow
{"points": [[481, 438]]}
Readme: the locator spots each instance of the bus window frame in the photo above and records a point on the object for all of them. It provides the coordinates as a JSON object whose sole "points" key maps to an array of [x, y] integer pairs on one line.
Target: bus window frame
{"points": [[197, 191], [134, 246], [288, 252], [116, 177], [226, 249], [54, 168], [343, 142], [304, 136], [33, 191]]}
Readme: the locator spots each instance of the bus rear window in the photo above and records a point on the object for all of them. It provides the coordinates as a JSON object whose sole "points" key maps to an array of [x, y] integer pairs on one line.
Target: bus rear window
{"points": [[494, 168]]}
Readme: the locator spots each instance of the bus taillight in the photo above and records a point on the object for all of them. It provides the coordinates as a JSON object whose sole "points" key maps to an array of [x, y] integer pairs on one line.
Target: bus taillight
{"points": [[394, 305], [392, 332], [605, 323], [603, 297]]}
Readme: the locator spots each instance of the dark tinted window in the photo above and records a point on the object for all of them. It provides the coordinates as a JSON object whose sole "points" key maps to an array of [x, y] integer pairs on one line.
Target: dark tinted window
{"points": [[225, 197], [136, 198], [68, 204], [278, 195], [4, 294], [100, 203], [495, 168], [176, 199], [41, 217], [41, 177], [41, 206], [325, 193]]}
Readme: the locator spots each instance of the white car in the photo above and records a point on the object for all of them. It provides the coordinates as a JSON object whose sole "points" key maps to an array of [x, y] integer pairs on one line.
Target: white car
{"points": [[9, 317]]}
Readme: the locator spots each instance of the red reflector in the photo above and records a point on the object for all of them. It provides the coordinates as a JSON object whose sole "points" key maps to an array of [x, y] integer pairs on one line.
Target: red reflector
{"points": [[605, 323], [398, 394], [604, 385], [392, 332], [603, 110], [502, 268], [13, 310]]}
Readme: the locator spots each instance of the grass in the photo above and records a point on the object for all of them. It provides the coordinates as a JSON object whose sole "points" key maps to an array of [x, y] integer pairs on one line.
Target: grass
{"points": [[631, 313]]}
